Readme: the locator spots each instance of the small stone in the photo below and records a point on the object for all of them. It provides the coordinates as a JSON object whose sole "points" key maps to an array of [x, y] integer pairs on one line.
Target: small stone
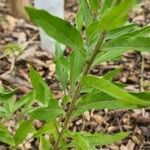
{"points": [[114, 147], [136, 140], [123, 147], [112, 129], [2, 147], [127, 127], [78, 122], [98, 118], [139, 19], [130, 145]]}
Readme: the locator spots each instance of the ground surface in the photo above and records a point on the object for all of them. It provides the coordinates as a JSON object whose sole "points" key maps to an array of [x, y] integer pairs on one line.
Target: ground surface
{"points": [[14, 73]]}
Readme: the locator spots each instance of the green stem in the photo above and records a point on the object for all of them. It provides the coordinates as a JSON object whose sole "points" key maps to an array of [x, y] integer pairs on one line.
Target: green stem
{"points": [[78, 89]]}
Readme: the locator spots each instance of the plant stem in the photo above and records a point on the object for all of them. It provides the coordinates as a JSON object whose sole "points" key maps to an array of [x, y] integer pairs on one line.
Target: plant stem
{"points": [[78, 89]]}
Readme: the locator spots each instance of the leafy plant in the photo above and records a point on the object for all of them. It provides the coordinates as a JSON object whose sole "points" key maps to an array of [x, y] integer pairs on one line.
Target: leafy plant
{"points": [[107, 35]]}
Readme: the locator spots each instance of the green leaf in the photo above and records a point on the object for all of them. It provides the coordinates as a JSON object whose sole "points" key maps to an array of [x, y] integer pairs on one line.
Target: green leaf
{"points": [[46, 129], [76, 65], [9, 106], [92, 34], [43, 93], [115, 16], [24, 129], [141, 32], [44, 144], [86, 13], [106, 5], [6, 95], [46, 114], [92, 30], [142, 95], [108, 56], [94, 96], [98, 100], [59, 29], [113, 90], [110, 104], [2, 110], [80, 142], [3, 128], [49, 129], [104, 139], [79, 19], [125, 30], [5, 137], [124, 44], [111, 74], [112, 34], [112, 18], [115, 48], [95, 5], [61, 68], [26, 99], [96, 139]]}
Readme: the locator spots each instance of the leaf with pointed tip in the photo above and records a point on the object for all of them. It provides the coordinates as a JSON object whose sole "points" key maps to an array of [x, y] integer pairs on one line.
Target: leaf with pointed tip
{"points": [[44, 144], [6, 95], [95, 5], [80, 142], [98, 139], [76, 65], [98, 100], [116, 47], [24, 129], [128, 43], [59, 29], [46, 114], [111, 19], [104, 139], [62, 67], [121, 31], [141, 32], [113, 90], [142, 95], [79, 18], [43, 93], [106, 5], [111, 74], [106, 104], [5, 137], [115, 16], [86, 13], [112, 34], [26, 99]]}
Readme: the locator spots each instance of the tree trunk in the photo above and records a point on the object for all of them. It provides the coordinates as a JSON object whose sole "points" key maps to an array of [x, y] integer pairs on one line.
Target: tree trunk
{"points": [[17, 8]]}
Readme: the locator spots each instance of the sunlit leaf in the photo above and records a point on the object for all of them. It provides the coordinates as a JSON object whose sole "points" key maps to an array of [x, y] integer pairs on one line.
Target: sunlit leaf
{"points": [[46, 114], [24, 129], [57, 28], [113, 90]]}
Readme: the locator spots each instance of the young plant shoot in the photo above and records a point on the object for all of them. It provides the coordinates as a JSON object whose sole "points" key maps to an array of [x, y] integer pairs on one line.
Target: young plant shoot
{"points": [[105, 37]]}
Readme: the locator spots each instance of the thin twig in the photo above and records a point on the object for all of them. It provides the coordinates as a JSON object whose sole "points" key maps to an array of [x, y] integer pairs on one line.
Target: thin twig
{"points": [[25, 45], [11, 67]]}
